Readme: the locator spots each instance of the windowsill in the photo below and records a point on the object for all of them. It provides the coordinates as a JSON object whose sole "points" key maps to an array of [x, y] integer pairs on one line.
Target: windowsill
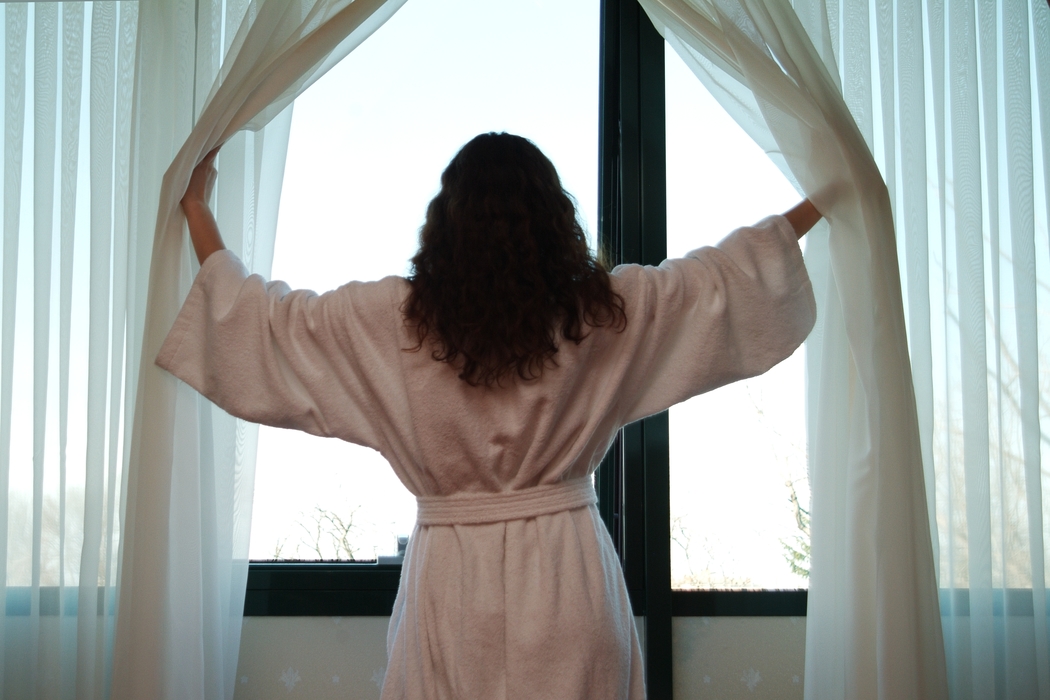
{"points": [[329, 589], [360, 589], [739, 603], [369, 589]]}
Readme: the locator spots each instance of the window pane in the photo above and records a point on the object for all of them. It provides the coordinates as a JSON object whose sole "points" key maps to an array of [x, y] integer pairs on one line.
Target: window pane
{"points": [[368, 144], [738, 453]]}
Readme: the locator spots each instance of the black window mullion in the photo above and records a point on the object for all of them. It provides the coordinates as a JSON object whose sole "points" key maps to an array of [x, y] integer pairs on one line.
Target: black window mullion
{"points": [[653, 240], [656, 525], [633, 507], [608, 481], [632, 202]]}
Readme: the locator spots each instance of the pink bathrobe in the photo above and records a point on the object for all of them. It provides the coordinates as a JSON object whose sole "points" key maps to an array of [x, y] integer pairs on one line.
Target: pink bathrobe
{"points": [[510, 586]]}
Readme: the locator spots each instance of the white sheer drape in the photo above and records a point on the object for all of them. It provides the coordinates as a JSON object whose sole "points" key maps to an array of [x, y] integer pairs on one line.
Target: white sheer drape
{"points": [[873, 629], [99, 99], [189, 488], [952, 100], [68, 72]]}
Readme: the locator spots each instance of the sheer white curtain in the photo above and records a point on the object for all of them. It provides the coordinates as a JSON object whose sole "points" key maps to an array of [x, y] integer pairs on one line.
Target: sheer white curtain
{"points": [[873, 629], [189, 485], [957, 117], [68, 71], [96, 515], [953, 100]]}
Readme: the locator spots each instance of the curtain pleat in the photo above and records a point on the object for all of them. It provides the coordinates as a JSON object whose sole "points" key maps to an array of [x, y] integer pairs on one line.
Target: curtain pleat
{"points": [[15, 35], [1036, 483], [101, 155], [1021, 479], [71, 61], [120, 332], [965, 245], [912, 221], [44, 93]]}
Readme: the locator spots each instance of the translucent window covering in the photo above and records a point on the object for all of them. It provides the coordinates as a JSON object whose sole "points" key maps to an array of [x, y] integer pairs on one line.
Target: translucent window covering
{"points": [[190, 467], [99, 99], [873, 628], [952, 100], [68, 74]]}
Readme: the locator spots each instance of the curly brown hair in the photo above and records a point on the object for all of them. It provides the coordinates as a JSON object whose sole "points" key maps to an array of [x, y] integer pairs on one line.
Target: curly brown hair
{"points": [[503, 267]]}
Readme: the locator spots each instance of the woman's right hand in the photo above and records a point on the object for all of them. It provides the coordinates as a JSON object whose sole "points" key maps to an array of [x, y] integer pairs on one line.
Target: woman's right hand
{"points": [[803, 216]]}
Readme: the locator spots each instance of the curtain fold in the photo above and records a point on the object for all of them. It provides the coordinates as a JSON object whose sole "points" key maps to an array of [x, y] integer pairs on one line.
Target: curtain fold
{"points": [[873, 629], [190, 469]]}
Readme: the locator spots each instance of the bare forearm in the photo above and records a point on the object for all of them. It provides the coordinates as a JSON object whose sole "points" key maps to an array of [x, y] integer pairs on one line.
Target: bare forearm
{"points": [[204, 232], [803, 216]]}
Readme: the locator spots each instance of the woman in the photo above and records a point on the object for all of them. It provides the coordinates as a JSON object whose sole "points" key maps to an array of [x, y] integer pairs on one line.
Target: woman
{"points": [[494, 380]]}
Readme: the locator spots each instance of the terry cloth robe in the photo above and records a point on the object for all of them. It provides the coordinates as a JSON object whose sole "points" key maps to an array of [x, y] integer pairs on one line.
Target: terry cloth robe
{"points": [[510, 587]]}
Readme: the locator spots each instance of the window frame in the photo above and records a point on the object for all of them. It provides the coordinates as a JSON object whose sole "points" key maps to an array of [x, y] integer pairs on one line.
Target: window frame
{"points": [[633, 480]]}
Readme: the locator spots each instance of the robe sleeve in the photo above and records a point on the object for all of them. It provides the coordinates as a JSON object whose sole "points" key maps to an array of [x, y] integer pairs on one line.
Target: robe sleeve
{"points": [[717, 315], [291, 359]]}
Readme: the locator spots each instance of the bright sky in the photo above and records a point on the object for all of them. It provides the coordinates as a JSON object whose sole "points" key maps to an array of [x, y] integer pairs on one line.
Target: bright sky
{"points": [[368, 144]]}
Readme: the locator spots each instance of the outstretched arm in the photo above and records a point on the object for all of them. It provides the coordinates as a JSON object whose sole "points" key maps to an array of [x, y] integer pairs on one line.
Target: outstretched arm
{"points": [[802, 217], [204, 232]]}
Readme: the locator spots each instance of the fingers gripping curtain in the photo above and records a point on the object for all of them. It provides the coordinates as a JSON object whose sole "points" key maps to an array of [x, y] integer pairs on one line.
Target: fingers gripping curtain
{"points": [[184, 551], [873, 624]]}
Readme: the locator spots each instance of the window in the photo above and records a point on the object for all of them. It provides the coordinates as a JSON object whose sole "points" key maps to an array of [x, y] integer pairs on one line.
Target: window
{"points": [[368, 144], [747, 440], [630, 209]]}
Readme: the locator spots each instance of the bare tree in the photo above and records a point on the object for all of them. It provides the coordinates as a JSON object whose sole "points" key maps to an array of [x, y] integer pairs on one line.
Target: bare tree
{"points": [[797, 550], [326, 535], [709, 574]]}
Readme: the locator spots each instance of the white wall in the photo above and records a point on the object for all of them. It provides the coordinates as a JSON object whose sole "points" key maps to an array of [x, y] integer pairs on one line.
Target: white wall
{"points": [[344, 657], [738, 657]]}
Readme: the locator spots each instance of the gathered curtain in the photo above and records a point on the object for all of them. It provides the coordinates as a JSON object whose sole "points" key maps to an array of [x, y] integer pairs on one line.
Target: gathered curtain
{"points": [[918, 129], [189, 484], [125, 501], [873, 627]]}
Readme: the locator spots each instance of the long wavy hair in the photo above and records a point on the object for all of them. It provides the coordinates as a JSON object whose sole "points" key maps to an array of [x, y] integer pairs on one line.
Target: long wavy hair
{"points": [[503, 272]]}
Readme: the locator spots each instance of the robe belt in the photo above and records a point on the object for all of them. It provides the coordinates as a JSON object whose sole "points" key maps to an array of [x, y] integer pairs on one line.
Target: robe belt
{"points": [[478, 508]]}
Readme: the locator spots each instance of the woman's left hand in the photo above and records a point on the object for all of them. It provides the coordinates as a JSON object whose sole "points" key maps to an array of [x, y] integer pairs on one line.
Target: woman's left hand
{"points": [[204, 232], [202, 181]]}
